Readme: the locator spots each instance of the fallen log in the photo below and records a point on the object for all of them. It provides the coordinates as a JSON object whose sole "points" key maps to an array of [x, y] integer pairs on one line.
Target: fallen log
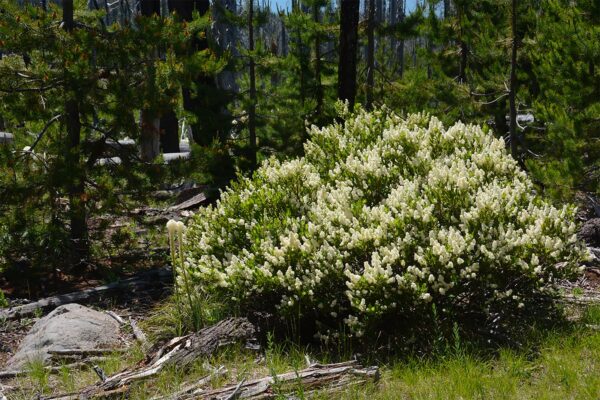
{"points": [[141, 281], [6, 138], [194, 202], [328, 378], [181, 351], [581, 299]]}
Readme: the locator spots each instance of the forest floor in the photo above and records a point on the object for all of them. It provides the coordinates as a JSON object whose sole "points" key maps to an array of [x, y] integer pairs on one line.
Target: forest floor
{"points": [[560, 364], [557, 364]]}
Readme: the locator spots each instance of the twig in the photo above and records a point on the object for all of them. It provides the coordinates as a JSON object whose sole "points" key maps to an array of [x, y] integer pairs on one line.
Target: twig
{"points": [[138, 333], [236, 392], [100, 372], [43, 131], [116, 317]]}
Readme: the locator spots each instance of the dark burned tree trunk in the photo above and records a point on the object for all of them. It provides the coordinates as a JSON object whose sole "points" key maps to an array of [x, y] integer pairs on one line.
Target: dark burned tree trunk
{"points": [[513, 81], [348, 51], [207, 127], [76, 185], [319, 88], [463, 48], [149, 8], [169, 132], [150, 122], [284, 36], [370, 54], [252, 73], [401, 44], [446, 9], [464, 53], [162, 132]]}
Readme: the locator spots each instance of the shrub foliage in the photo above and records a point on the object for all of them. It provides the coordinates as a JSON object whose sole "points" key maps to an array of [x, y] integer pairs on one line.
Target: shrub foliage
{"points": [[383, 218]]}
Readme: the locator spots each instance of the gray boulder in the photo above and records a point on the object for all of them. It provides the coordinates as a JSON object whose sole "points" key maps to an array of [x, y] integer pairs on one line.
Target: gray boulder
{"points": [[68, 327], [590, 232]]}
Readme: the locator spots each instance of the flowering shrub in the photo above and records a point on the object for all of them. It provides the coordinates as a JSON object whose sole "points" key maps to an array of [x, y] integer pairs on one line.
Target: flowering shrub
{"points": [[382, 217]]}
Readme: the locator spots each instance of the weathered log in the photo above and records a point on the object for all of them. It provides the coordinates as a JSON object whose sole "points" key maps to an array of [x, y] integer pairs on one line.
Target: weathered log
{"points": [[317, 377], [142, 281], [6, 138], [194, 202], [581, 300], [181, 351]]}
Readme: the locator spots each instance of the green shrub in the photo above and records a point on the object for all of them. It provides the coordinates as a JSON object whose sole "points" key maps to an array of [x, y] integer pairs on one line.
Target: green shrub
{"points": [[383, 217]]}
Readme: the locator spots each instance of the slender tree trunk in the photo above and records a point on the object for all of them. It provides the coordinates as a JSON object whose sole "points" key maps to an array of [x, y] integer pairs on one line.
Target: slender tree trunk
{"points": [[513, 81], [446, 9], [401, 44], [208, 112], [76, 189], [393, 22], [462, 69], [348, 51], [301, 55], [370, 54], [149, 119], [284, 38], [252, 73], [166, 128], [463, 48], [319, 91], [428, 47]]}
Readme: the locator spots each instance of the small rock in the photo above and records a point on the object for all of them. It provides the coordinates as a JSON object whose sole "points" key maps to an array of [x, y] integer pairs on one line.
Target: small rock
{"points": [[68, 327]]}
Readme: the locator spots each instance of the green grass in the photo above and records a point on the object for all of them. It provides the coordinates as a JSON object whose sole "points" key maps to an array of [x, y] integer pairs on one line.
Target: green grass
{"points": [[561, 364]]}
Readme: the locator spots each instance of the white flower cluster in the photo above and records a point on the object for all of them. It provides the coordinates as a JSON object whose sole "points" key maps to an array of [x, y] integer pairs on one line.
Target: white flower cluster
{"points": [[382, 215]]}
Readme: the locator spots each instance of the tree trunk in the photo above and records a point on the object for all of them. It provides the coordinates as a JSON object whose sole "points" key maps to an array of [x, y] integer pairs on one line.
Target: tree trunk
{"points": [[348, 51], [169, 132], [300, 48], [319, 91], [208, 113], [168, 125], [370, 54], [393, 22], [401, 44], [149, 7], [76, 188], [284, 38], [446, 9], [150, 135], [252, 73], [463, 48], [149, 121], [464, 53], [513, 81]]}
